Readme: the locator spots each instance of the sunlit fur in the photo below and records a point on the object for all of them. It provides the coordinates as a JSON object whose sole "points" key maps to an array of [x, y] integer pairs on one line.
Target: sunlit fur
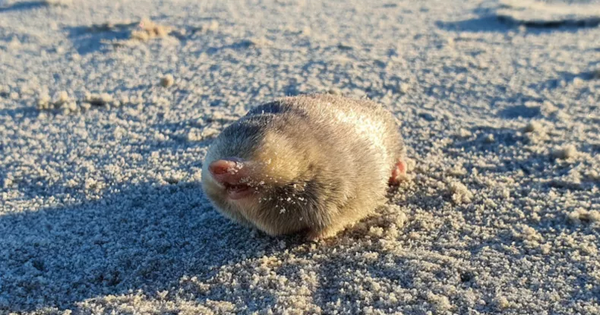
{"points": [[320, 163]]}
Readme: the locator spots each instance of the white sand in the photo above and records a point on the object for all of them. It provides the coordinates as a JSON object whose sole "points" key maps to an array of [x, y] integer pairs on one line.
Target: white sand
{"points": [[101, 208]]}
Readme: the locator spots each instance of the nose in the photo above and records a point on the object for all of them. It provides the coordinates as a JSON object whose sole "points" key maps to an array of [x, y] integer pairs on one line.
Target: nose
{"points": [[220, 167], [228, 171]]}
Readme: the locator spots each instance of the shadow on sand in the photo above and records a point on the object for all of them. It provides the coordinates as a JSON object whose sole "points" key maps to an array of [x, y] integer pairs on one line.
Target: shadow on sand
{"points": [[22, 6], [138, 238], [87, 40]]}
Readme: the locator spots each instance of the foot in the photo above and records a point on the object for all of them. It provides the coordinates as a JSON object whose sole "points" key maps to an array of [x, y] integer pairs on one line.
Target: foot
{"points": [[398, 172]]}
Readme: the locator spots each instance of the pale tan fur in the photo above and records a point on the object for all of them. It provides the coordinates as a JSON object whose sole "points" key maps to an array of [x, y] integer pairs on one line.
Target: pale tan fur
{"points": [[322, 162]]}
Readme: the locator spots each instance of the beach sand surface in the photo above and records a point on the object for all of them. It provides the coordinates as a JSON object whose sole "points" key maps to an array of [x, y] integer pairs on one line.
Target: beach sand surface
{"points": [[107, 109]]}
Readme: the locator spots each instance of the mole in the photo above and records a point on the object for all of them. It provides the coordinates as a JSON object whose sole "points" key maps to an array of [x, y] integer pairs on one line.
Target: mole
{"points": [[315, 163]]}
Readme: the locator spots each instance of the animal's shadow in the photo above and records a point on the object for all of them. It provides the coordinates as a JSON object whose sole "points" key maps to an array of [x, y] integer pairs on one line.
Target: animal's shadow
{"points": [[139, 237]]}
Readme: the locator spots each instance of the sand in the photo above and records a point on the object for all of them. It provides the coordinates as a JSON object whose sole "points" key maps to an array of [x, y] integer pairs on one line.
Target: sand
{"points": [[102, 137]]}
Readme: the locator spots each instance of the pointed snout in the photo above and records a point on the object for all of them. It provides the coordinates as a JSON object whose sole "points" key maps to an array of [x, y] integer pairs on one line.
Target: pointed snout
{"points": [[228, 171]]}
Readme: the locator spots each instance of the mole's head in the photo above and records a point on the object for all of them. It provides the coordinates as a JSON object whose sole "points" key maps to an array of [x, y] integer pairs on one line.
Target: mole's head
{"points": [[251, 163]]}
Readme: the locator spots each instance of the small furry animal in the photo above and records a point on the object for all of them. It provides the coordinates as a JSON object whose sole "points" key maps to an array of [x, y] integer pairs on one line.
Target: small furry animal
{"points": [[314, 163]]}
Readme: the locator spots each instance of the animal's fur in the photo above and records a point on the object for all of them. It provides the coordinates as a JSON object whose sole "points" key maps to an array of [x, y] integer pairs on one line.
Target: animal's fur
{"points": [[319, 163]]}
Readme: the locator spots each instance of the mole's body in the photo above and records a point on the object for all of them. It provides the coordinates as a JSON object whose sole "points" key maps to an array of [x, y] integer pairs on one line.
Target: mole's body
{"points": [[316, 163]]}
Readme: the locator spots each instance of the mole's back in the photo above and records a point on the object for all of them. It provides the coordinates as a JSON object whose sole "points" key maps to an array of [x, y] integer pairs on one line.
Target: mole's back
{"points": [[363, 123]]}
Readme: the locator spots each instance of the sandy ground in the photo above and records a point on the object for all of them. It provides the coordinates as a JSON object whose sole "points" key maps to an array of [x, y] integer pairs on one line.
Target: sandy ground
{"points": [[104, 125]]}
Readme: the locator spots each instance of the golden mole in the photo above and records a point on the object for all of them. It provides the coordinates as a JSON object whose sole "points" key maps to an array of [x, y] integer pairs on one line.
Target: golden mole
{"points": [[315, 163]]}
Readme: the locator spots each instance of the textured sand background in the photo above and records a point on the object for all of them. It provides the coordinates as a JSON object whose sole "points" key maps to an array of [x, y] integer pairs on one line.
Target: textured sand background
{"points": [[103, 128]]}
